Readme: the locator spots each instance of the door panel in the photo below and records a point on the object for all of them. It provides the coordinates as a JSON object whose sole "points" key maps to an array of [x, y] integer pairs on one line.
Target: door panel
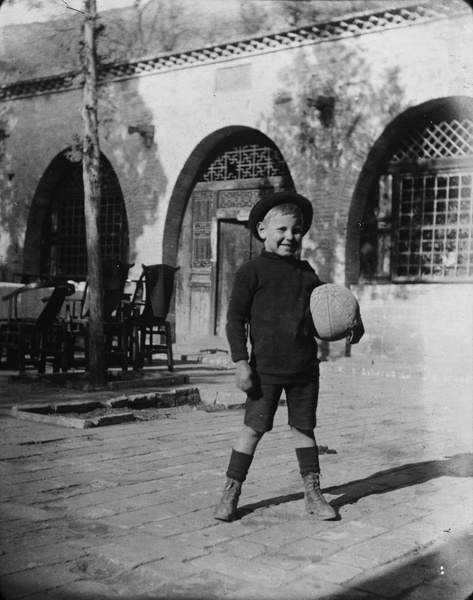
{"points": [[236, 246]]}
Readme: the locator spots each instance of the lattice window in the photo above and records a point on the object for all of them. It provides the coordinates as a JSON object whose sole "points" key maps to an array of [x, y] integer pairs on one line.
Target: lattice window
{"points": [[435, 224], [420, 227], [112, 222], [68, 228], [438, 140], [67, 254], [246, 162]]}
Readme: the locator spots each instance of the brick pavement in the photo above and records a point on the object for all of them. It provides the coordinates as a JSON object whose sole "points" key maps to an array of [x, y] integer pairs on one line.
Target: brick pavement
{"points": [[126, 511]]}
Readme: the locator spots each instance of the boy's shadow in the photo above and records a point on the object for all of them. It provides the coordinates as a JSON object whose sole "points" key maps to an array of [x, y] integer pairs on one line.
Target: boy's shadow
{"points": [[382, 482]]}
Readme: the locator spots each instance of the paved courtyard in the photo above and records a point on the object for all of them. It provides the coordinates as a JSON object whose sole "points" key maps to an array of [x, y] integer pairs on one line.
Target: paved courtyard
{"points": [[126, 511]]}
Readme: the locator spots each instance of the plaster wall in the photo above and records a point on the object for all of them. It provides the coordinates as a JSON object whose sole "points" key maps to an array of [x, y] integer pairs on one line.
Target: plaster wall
{"points": [[429, 326], [374, 77], [185, 106]]}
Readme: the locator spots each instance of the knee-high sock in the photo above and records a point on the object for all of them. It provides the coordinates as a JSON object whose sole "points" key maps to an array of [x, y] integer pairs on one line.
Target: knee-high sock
{"points": [[308, 459], [239, 465]]}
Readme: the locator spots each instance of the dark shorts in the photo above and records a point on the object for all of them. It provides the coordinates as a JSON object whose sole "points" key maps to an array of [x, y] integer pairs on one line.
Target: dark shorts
{"points": [[302, 398]]}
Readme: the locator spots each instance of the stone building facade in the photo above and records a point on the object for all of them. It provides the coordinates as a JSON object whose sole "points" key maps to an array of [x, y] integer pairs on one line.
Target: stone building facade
{"points": [[371, 117]]}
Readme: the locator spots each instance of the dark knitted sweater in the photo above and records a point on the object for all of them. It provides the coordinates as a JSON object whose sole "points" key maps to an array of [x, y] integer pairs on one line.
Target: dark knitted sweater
{"points": [[271, 294]]}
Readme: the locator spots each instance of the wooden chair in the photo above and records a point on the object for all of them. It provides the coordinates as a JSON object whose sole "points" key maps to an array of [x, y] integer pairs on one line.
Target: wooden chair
{"points": [[35, 341], [151, 332], [116, 332]]}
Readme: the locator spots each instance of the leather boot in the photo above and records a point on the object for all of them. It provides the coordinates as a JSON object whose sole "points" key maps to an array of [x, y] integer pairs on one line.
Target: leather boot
{"points": [[315, 503], [226, 508]]}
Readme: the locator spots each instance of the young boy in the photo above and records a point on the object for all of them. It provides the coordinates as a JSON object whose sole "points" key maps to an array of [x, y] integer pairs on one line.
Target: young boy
{"points": [[271, 296]]}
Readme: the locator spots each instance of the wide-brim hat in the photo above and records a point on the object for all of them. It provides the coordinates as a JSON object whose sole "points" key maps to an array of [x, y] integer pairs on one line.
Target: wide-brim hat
{"points": [[263, 206]]}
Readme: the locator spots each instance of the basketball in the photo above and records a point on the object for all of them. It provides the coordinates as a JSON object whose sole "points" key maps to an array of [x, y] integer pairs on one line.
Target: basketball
{"points": [[335, 312]]}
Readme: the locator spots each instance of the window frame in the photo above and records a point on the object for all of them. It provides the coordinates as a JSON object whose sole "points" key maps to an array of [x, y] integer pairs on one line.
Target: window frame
{"points": [[378, 227], [435, 168], [111, 228]]}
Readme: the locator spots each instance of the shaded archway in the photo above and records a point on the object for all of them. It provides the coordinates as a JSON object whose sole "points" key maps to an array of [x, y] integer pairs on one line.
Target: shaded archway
{"points": [[55, 235], [367, 188], [206, 231]]}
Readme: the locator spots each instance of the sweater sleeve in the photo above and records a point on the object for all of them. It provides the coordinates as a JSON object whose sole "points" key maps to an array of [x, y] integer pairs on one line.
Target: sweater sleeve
{"points": [[238, 314]]}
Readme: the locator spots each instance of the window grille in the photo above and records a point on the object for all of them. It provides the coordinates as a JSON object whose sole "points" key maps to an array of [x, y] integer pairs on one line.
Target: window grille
{"points": [[426, 232], [434, 236], [438, 140], [68, 254], [246, 162]]}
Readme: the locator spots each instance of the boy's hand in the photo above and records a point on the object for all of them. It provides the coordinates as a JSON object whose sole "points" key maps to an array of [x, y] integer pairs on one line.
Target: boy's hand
{"points": [[244, 376], [356, 333]]}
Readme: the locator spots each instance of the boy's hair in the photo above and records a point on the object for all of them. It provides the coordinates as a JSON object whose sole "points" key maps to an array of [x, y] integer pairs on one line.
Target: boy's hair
{"points": [[284, 209]]}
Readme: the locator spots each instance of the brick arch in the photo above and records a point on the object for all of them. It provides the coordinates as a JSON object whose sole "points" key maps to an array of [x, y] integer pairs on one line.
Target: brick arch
{"points": [[194, 167], [378, 157], [40, 207]]}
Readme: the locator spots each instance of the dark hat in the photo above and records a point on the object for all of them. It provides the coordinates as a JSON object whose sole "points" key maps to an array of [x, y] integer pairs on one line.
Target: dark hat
{"points": [[263, 206]]}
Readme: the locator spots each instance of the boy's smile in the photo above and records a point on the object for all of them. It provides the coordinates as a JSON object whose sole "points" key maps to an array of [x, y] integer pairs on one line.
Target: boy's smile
{"points": [[282, 234]]}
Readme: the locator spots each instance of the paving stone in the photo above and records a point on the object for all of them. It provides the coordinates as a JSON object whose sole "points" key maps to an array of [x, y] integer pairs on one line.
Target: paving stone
{"points": [[12, 511], [151, 514], [240, 568], [168, 528], [280, 535], [391, 516], [192, 583], [29, 581], [326, 571], [356, 531], [348, 557], [460, 586], [243, 548], [20, 527], [381, 550], [418, 534], [139, 549], [283, 562], [321, 590], [96, 590], [19, 557], [310, 549], [390, 581], [210, 537], [429, 592]]}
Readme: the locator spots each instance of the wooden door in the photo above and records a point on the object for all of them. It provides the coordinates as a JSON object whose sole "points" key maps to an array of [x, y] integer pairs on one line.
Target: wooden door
{"points": [[236, 246]]}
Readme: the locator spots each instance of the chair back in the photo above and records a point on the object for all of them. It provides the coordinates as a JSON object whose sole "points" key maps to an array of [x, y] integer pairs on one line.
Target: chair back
{"points": [[159, 286], [54, 304], [13, 297], [115, 273]]}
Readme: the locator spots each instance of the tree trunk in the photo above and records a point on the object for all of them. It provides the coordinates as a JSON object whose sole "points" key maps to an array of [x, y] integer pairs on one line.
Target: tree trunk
{"points": [[91, 175]]}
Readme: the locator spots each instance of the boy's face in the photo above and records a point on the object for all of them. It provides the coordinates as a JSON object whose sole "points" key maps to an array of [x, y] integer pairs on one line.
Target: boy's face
{"points": [[282, 234]]}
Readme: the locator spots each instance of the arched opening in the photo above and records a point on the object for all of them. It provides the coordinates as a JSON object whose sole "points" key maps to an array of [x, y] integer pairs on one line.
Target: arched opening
{"points": [[234, 173], [56, 237], [413, 207]]}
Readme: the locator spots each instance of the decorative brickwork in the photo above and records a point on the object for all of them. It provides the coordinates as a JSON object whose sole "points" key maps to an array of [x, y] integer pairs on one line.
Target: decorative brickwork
{"points": [[322, 32], [43, 85]]}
